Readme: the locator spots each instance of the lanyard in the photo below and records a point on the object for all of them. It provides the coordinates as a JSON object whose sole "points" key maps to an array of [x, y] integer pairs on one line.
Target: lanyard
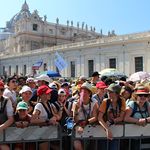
{"points": [[114, 111], [86, 114], [141, 112]]}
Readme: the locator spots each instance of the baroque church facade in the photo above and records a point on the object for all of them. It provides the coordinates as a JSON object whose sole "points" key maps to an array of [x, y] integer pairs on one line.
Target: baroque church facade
{"points": [[28, 38]]}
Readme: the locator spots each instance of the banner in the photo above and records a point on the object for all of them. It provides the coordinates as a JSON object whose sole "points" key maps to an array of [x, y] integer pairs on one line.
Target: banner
{"points": [[60, 63], [37, 65]]}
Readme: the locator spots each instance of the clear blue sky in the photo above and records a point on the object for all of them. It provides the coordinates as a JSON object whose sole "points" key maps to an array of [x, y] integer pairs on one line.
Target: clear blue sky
{"points": [[123, 16]]}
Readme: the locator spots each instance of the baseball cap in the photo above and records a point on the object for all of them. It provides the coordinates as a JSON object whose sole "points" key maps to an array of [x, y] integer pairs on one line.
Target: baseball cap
{"points": [[29, 80], [61, 92], [43, 77], [25, 89], [22, 105], [52, 85], [43, 90], [101, 85]]}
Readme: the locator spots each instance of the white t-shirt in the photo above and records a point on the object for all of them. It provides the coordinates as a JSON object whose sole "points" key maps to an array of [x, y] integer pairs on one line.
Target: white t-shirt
{"points": [[43, 114], [10, 94], [8, 108]]}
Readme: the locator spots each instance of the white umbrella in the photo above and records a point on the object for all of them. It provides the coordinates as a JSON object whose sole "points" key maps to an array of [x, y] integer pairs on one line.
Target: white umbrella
{"points": [[111, 72], [138, 76]]}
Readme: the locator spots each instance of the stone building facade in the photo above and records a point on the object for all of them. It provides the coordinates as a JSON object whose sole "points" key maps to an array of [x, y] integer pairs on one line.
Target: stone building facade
{"points": [[28, 38]]}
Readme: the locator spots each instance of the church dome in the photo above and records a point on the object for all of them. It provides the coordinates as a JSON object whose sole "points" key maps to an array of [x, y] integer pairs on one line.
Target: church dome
{"points": [[25, 6], [22, 14]]}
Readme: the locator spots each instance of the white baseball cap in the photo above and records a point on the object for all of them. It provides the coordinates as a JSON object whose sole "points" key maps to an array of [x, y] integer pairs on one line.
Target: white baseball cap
{"points": [[29, 80], [52, 85], [25, 89], [61, 92]]}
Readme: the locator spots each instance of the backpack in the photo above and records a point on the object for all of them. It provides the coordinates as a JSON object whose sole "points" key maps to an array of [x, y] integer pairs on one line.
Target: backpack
{"points": [[135, 108], [3, 115]]}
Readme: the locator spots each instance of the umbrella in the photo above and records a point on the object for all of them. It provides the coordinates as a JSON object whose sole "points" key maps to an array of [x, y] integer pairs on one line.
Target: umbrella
{"points": [[51, 73], [111, 72], [138, 76]]}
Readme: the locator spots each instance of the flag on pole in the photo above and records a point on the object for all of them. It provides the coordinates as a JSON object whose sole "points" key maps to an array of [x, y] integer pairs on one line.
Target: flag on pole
{"points": [[59, 61], [37, 65]]}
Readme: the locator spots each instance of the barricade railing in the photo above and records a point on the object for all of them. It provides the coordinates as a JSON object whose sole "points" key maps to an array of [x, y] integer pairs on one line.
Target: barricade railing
{"points": [[35, 134], [96, 133], [121, 132]]}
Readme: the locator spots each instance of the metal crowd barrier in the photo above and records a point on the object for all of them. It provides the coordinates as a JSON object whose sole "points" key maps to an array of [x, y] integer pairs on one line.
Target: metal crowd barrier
{"points": [[96, 133], [30, 134], [126, 132]]}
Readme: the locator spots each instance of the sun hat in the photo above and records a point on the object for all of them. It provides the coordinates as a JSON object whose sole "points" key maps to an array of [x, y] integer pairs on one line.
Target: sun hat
{"points": [[22, 105], [61, 92], [87, 86], [101, 85], [142, 90], [43, 90], [43, 77], [25, 88], [115, 88]]}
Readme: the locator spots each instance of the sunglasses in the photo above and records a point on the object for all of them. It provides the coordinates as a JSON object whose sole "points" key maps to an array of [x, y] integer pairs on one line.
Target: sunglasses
{"points": [[141, 95], [2, 90]]}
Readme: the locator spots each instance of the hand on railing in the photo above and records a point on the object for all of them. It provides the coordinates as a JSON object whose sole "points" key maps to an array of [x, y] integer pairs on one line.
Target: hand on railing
{"points": [[22, 124], [141, 122], [109, 134]]}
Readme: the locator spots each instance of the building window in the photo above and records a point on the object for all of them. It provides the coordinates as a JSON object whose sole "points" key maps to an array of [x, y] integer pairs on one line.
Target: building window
{"points": [[112, 63], [51, 31], [138, 64], [24, 70], [17, 69], [72, 65], [35, 27], [10, 70], [90, 67], [45, 66]]}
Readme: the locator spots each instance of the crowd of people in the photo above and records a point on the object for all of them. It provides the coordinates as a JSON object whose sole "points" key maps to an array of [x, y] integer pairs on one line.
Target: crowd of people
{"points": [[73, 104]]}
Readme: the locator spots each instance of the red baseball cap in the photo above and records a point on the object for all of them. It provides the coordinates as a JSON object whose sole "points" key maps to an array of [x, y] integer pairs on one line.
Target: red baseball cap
{"points": [[2, 84], [101, 85], [43, 90]]}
